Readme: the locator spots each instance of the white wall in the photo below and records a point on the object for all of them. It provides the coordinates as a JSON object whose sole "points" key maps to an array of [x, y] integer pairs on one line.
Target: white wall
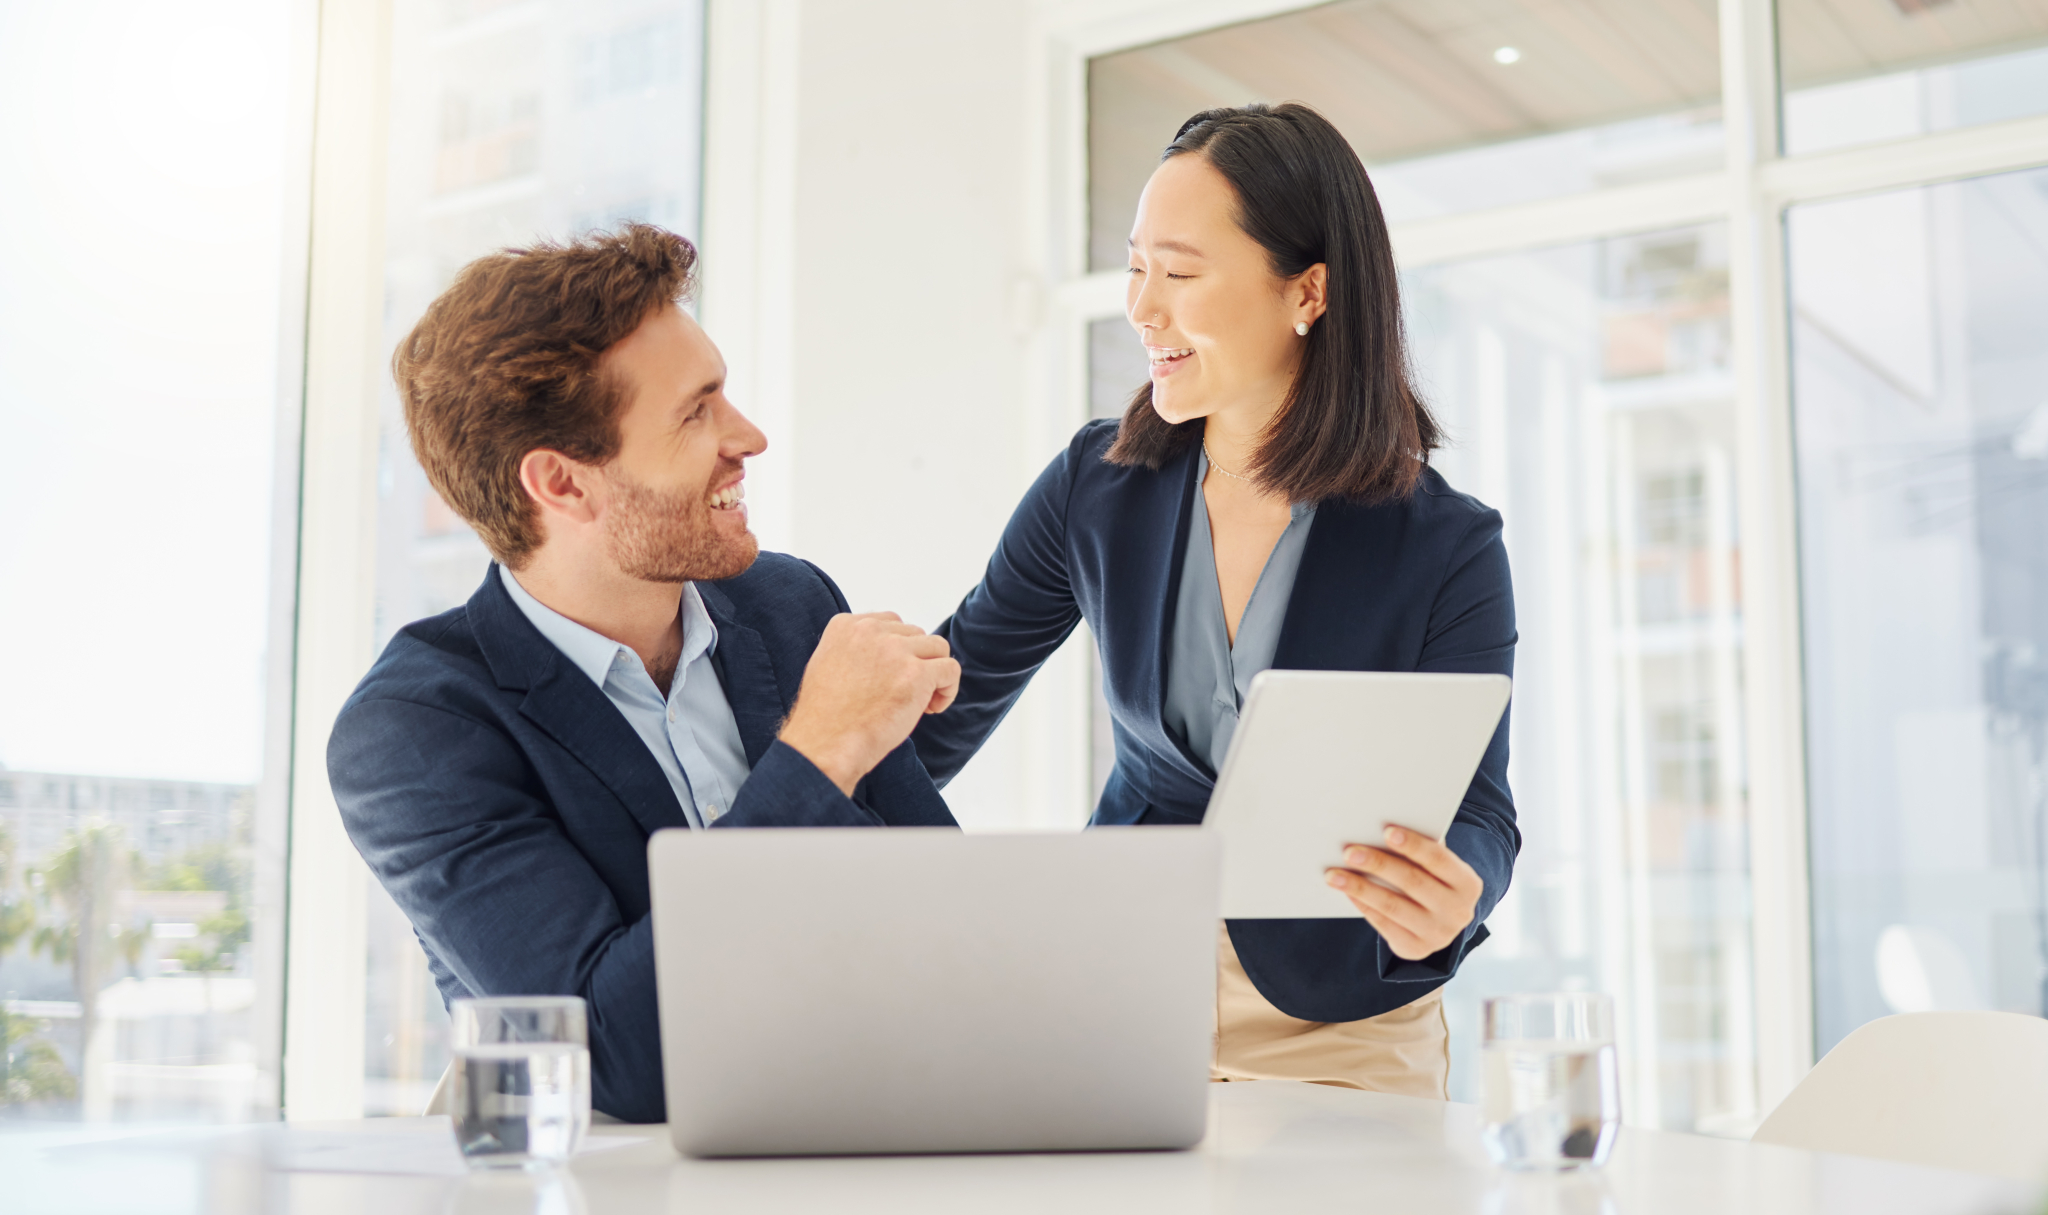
{"points": [[872, 273], [909, 380]]}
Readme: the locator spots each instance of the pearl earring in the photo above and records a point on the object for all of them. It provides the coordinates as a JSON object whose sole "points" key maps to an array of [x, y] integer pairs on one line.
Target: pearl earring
{"points": [[1301, 327]]}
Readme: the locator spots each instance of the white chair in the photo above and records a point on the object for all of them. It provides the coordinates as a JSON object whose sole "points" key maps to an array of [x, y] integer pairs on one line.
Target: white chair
{"points": [[1961, 1090]]}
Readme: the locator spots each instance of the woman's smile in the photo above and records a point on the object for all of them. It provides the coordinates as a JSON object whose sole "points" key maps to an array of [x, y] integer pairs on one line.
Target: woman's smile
{"points": [[1165, 359]]}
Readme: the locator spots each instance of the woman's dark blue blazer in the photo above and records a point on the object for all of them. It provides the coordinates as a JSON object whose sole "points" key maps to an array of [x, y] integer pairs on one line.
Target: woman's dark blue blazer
{"points": [[1414, 585]]}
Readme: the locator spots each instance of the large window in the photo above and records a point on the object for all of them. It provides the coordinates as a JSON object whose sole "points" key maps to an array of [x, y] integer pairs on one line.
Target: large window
{"points": [[1865, 71], [1588, 394], [149, 403], [510, 123], [1921, 381], [1596, 277], [1454, 108]]}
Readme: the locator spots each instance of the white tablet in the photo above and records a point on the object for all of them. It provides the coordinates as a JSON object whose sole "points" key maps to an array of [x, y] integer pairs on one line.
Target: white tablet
{"points": [[1322, 759]]}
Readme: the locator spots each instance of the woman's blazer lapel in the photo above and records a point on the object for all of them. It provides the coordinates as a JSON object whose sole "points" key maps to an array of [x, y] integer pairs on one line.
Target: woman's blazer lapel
{"points": [[1137, 641], [1341, 616]]}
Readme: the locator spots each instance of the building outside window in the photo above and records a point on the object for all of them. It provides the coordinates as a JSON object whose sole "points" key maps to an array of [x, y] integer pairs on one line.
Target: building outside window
{"points": [[149, 346]]}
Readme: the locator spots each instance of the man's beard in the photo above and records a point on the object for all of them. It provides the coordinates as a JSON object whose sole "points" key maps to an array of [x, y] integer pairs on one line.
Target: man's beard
{"points": [[664, 537]]}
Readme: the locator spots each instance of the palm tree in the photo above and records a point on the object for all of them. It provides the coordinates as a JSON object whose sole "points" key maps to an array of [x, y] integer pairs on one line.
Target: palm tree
{"points": [[17, 921], [81, 878], [17, 915]]}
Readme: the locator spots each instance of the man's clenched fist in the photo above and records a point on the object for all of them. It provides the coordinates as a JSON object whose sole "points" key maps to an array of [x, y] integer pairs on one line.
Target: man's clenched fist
{"points": [[870, 679]]}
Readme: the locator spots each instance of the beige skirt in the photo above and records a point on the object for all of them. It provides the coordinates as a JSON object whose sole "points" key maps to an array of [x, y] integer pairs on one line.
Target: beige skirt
{"points": [[1406, 1051]]}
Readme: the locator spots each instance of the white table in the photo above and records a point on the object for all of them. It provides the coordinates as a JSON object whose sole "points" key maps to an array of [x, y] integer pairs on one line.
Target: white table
{"points": [[1272, 1147]]}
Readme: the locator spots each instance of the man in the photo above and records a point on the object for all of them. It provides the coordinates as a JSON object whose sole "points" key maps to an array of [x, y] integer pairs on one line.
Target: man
{"points": [[631, 662]]}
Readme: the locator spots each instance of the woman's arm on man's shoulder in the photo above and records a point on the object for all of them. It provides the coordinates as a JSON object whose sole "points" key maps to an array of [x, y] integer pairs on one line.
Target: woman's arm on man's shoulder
{"points": [[1009, 624]]}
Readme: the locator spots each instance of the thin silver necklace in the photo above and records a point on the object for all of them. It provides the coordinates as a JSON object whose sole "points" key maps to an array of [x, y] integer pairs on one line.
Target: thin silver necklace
{"points": [[1218, 467]]}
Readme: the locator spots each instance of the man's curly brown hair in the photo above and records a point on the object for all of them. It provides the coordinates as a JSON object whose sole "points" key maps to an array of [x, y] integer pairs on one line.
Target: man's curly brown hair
{"points": [[509, 360]]}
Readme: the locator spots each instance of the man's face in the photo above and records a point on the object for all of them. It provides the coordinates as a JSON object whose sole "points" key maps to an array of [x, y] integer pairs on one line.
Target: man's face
{"points": [[673, 510]]}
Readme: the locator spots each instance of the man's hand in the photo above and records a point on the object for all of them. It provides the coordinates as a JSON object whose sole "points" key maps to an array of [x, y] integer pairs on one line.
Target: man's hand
{"points": [[1434, 895], [870, 679]]}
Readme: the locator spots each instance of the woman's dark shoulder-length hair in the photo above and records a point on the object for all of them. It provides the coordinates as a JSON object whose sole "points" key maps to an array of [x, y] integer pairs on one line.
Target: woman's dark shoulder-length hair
{"points": [[1353, 425]]}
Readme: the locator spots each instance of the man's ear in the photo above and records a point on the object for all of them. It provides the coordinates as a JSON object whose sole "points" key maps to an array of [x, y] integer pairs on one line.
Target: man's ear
{"points": [[562, 487]]}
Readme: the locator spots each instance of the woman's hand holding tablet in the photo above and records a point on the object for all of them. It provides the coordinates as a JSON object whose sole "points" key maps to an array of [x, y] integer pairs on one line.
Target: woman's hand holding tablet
{"points": [[1417, 893]]}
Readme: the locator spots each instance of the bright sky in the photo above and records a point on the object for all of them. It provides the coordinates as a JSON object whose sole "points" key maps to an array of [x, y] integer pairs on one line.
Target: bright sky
{"points": [[146, 146]]}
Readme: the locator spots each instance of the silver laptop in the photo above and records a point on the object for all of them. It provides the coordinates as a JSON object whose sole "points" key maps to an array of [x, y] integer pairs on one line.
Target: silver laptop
{"points": [[830, 991]]}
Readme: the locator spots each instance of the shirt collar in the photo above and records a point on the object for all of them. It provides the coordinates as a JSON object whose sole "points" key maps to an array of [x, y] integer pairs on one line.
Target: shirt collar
{"points": [[590, 651], [700, 632]]}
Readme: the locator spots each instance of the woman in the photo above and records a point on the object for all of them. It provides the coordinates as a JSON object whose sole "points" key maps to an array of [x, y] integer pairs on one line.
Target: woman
{"points": [[1265, 501]]}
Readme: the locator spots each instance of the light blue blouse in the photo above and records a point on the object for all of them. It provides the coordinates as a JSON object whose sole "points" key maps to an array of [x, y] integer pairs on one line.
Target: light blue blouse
{"points": [[1207, 677]]}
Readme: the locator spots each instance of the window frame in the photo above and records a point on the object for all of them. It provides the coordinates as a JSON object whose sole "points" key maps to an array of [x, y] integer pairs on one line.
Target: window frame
{"points": [[326, 938]]}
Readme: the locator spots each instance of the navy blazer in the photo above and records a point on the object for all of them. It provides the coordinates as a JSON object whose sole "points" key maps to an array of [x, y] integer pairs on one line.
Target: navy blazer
{"points": [[1414, 585], [505, 803]]}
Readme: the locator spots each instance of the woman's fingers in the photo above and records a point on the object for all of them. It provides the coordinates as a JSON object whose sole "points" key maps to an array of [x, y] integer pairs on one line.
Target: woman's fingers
{"points": [[1393, 869], [1404, 942], [1432, 855], [1435, 892], [1436, 857], [1417, 864], [1389, 905], [1426, 889]]}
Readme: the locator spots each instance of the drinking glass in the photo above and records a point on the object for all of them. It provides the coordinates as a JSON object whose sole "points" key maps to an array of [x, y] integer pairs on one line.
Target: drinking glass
{"points": [[520, 1092], [1550, 1097]]}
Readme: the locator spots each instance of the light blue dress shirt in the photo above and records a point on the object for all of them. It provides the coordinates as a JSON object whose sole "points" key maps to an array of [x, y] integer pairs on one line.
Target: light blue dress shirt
{"points": [[691, 732], [1208, 677]]}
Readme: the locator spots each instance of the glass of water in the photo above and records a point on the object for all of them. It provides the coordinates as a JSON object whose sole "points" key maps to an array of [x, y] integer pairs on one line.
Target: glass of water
{"points": [[520, 1092], [1550, 1097]]}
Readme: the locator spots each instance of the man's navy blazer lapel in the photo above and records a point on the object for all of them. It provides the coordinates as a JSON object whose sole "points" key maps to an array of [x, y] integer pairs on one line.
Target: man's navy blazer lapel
{"points": [[562, 701], [741, 660]]}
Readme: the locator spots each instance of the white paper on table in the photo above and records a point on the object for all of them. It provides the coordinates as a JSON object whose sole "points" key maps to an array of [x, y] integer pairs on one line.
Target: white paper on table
{"points": [[421, 1147]]}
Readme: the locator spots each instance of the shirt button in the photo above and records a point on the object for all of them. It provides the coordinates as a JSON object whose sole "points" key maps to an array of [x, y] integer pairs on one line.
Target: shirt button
{"points": [[671, 713], [711, 811]]}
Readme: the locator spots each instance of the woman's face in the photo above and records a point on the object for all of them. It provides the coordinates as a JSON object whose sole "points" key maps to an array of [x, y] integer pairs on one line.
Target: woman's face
{"points": [[1217, 323]]}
